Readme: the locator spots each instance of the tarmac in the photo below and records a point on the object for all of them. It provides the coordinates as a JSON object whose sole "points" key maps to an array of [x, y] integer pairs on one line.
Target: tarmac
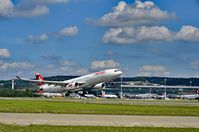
{"points": [[99, 120]]}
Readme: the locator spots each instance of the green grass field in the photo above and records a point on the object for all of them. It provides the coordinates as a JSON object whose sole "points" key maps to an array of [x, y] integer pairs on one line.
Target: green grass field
{"points": [[46, 128], [64, 107]]}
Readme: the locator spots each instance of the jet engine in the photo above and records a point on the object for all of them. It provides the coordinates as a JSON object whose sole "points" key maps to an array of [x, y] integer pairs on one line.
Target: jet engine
{"points": [[72, 85], [99, 86]]}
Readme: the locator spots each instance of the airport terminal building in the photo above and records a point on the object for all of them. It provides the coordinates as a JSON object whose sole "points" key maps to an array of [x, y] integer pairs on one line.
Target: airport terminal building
{"points": [[138, 87]]}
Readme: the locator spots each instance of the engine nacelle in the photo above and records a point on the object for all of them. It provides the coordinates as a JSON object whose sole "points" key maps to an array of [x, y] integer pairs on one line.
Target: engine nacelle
{"points": [[72, 85], [99, 86]]}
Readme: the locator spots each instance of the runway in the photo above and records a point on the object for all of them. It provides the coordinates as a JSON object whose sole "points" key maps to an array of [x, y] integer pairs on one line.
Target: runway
{"points": [[99, 120]]}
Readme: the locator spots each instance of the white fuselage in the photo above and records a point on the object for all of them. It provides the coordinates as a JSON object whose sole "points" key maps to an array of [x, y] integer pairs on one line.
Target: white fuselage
{"points": [[88, 81], [191, 96]]}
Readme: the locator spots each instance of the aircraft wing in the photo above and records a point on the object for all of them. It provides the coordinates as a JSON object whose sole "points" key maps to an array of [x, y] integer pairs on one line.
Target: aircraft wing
{"points": [[61, 83]]}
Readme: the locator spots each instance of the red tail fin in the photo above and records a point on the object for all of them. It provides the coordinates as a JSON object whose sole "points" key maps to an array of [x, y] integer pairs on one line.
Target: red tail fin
{"points": [[39, 77]]}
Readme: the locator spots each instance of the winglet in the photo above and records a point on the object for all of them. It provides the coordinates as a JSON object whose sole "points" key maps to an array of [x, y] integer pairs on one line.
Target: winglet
{"points": [[18, 77]]}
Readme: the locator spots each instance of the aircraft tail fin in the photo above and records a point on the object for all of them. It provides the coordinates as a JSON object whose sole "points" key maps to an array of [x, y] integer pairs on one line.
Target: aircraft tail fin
{"points": [[38, 76]]}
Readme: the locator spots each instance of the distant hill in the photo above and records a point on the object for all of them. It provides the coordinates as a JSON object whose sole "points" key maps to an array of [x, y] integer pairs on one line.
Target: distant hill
{"points": [[158, 80], [169, 81]]}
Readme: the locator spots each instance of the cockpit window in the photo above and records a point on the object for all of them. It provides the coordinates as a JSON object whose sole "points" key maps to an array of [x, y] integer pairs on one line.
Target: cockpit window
{"points": [[116, 70]]}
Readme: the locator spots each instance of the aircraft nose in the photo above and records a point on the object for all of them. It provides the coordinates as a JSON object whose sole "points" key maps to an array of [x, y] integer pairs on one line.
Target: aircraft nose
{"points": [[116, 72], [120, 72]]}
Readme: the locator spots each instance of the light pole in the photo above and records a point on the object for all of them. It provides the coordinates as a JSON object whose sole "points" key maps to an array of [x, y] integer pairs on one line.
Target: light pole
{"points": [[165, 88], [121, 88], [190, 83], [13, 84]]}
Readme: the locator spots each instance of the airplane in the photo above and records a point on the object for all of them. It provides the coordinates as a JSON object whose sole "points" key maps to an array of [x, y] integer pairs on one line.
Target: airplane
{"points": [[89, 96], [110, 96], [146, 96], [95, 80], [51, 95], [189, 96]]}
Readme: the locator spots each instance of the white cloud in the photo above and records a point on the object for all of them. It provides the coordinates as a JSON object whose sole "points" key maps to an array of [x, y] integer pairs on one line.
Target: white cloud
{"points": [[4, 53], [153, 70], [141, 5], [68, 63], [82, 71], [137, 23], [104, 64], [26, 8], [6, 7], [188, 33], [49, 1], [35, 11], [66, 67], [195, 64], [146, 34], [63, 67], [138, 13], [130, 35], [68, 31], [65, 32], [37, 39], [6, 67]]}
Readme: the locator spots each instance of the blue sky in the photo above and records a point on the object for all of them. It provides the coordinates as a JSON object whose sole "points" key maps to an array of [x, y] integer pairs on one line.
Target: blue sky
{"points": [[76, 37]]}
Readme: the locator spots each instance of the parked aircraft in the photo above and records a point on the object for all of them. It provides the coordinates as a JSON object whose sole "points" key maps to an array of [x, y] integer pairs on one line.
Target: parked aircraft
{"points": [[189, 96], [51, 95], [110, 96], [146, 96]]}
